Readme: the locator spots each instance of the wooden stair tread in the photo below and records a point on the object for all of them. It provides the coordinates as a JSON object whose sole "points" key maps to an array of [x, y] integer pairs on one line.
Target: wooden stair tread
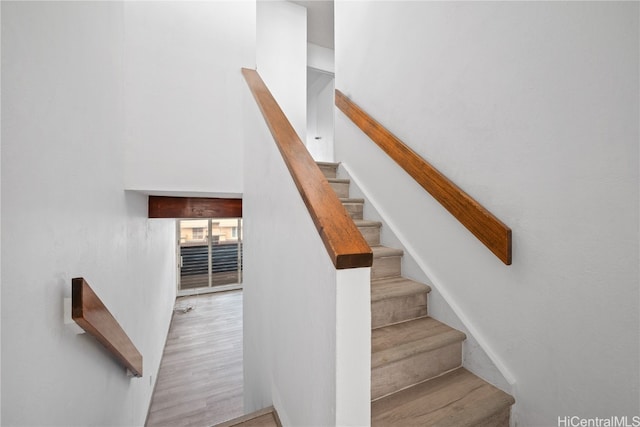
{"points": [[328, 164], [383, 251], [396, 287], [339, 181], [457, 398], [351, 200], [367, 223], [402, 340]]}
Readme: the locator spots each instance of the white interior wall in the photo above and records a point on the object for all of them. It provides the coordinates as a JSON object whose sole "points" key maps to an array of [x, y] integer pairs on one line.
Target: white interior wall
{"points": [[320, 101], [325, 114], [65, 214], [281, 57], [182, 94], [312, 115], [289, 292], [532, 108], [353, 347], [0, 232], [320, 111], [307, 326], [320, 58]]}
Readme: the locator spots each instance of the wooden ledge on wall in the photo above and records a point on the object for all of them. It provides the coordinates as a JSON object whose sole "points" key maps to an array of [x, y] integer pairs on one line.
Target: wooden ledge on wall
{"points": [[194, 207]]}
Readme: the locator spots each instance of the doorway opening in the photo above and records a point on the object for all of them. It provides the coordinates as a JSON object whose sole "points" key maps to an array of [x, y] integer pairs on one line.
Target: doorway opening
{"points": [[209, 255], [320, 111]]}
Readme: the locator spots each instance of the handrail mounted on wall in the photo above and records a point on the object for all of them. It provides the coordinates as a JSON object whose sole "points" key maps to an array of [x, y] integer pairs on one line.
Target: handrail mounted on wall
{"points": [[483, 224], [88, 311]]}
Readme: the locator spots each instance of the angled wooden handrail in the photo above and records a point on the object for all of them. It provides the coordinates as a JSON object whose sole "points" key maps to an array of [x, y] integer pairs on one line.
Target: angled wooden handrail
{"points": [[344, 243], [483, 224], [88, 311]]}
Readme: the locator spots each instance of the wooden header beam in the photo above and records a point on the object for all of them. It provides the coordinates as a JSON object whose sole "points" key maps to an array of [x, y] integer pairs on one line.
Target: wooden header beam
{"points": [[88, 311], [194, 207]]}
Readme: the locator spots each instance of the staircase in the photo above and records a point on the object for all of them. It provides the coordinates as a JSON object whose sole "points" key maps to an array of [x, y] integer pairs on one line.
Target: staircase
{"points": [[417, 378]]}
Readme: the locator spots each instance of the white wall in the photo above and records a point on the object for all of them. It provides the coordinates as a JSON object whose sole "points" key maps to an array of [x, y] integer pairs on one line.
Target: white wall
{"points": [[320, 112], [325, 124], [281, 57], [65, 214], [0, 232], [320, 58], [304, 321], [183, 94], [353, 347], [532, 108]]}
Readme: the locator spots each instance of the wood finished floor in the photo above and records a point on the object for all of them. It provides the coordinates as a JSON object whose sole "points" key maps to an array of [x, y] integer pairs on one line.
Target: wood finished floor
{"points": [[200, 378]]}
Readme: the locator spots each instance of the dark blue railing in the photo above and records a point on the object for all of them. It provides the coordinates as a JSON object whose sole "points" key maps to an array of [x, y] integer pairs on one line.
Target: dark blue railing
{"points": [[224, 257]]}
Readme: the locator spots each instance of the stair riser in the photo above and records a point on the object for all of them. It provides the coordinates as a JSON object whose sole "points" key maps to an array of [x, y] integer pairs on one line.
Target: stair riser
{"points": [[341, 189], [371, 235], [403, 373], [354, 210], [400, 309], [386, 267], [328, 171]]}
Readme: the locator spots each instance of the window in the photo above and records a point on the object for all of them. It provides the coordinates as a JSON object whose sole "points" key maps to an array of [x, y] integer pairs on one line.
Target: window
{"points": [[210, 254], [197, 233]]}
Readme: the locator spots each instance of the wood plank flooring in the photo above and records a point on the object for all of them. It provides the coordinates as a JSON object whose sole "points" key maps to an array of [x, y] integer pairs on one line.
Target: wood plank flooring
{"points": [[200, 378]]}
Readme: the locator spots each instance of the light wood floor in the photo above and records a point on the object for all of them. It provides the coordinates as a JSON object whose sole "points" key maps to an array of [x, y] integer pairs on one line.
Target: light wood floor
{"points": [[200, 378]]}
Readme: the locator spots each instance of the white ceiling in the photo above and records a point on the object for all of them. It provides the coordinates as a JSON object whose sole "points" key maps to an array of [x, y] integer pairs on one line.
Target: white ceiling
{"points": [[319, 21]]}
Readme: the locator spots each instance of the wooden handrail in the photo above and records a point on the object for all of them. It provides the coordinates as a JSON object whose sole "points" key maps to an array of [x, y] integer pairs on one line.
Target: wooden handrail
{"points": [[483, 224], [90, 314], [344, 242]]}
